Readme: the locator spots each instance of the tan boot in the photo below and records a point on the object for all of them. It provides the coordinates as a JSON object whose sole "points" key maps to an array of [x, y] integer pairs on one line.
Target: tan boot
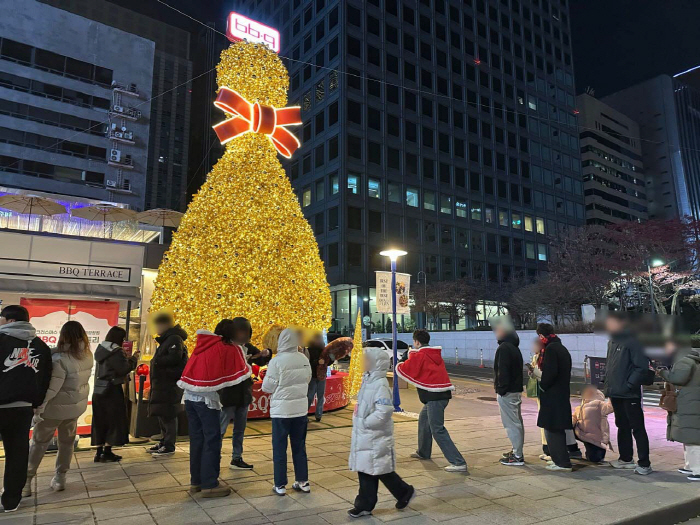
{"points": [[217, 492]]}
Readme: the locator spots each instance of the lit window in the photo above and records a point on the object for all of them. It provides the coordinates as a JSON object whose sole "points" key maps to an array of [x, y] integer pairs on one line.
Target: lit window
{"points": [[502, 218], [306, 197], [412, 197], [476, 214], [334, 184], [530, 250], [445, 204], [540, 225], [516, 221], [541, 252], [528, 223], [429, 200], [353, 184], [394, 192], [461, 209], [489, 215], [374, 188], [532, 102]]}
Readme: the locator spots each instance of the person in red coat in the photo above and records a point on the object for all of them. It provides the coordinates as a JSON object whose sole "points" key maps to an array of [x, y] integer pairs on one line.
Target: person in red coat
{"points": [[216, 363]]}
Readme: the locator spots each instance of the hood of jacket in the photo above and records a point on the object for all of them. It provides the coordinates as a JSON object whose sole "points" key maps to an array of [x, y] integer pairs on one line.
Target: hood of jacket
{"points": [[510, 337], [288, 341], [175, 330], [104, 350], [378, 360], [694, 355], [206, 341], [19, 330]]}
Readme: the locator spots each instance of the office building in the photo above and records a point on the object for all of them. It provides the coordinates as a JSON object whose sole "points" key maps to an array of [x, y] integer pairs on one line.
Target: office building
{"points": [[611, 161], [666, 110], [74, 105], [167, 167], [447, 128]]}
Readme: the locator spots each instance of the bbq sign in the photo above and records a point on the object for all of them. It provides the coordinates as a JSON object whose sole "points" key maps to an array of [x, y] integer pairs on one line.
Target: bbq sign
{"points": [[239, 27]]}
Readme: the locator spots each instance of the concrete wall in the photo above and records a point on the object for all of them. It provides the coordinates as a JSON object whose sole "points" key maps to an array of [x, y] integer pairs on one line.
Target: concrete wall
{"points": [[466, 347]]}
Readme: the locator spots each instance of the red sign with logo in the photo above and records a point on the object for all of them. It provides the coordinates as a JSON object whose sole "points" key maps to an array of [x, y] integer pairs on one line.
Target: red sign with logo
{"points": [[239, 27], [336, 397]]}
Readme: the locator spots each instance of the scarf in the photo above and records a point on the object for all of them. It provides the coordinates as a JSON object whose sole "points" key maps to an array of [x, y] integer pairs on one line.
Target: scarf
{"points": [[545, 339]]}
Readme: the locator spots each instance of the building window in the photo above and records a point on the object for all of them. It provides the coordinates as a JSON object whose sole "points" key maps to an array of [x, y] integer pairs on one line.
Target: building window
{"points": [[542, 252], [353, 183], [540, 225], [530, 250], [394, 192], [412, 197], [333, 254], [489, 215], [354, 218], [503, 218], [333, 219], [334, 184], [461, 209], [528, 223], [374, 188], [476, 213], [306, 197], [429, 200], [446, 204], [374, 221], [354, 255], [516, 221], [320, 190]]}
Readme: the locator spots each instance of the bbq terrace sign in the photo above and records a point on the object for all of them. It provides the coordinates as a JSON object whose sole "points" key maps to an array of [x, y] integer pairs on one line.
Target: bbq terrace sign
{"points": [[239, 27]]}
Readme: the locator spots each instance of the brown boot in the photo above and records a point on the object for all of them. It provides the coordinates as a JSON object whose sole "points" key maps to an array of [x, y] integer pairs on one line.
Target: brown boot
{"points": [[217, 492]]}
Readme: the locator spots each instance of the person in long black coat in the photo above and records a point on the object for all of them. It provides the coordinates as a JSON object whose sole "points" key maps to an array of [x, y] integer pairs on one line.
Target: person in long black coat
{"points": [[165, 396], [555, 408]]}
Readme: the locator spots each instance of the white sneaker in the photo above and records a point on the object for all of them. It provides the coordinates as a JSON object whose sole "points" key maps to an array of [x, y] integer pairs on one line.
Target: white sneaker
{"points": [[302, 486], [280, 491], [456, 468], [644, 471], [545, 457], [618, 463], [58, 483], [557, 468], [27, 490]]}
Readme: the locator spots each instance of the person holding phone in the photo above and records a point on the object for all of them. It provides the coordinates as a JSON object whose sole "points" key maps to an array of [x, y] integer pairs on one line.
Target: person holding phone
{"points": [[110, 426]]}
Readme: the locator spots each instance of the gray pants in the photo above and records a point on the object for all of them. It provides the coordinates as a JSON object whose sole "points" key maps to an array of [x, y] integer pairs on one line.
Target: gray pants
{"points": [[168, 429], [509, 406], [431, 424], [41, 437], [239, 415]]}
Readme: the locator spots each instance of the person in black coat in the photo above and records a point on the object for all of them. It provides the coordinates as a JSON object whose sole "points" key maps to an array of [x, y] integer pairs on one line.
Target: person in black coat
{"points": [[317, 385], [110, 424], [625, 371], [165, 397], [555, 390], [236, 399]]}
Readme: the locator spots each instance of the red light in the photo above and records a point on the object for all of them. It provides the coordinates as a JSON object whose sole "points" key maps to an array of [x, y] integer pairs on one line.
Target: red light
{"points": [[477, 61], [576, 112]]}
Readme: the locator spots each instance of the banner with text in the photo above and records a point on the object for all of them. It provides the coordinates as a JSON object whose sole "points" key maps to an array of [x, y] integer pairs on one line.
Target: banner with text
{"points": [[403, 289]]}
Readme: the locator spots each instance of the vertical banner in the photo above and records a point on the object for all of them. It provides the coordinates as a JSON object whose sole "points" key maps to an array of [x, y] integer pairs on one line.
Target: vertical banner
{"points": [[403, 288], [97, 317]]}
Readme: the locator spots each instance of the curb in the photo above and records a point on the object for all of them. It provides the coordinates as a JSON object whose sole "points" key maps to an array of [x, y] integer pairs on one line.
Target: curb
{"points": [[678, 513]]}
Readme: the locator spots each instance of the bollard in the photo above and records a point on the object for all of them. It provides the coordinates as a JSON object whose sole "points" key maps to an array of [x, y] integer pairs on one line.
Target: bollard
{"points": [[481, 358]]}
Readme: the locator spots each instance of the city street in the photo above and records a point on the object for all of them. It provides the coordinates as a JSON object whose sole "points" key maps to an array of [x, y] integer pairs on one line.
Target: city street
{"points": [[142, 491]]}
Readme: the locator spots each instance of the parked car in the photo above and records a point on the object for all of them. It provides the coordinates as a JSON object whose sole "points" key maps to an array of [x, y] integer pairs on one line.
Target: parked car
{"points": [[386, 344]]}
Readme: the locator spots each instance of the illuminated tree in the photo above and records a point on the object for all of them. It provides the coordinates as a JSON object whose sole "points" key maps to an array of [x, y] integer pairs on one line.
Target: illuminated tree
{"points": [[354, 380], [243, 247]]}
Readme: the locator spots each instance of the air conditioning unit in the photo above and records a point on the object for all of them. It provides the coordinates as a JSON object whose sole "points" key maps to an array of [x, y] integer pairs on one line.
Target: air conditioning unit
{"points": [[118, 135], [111, 183], [129, 135], [118, 109], [115, 155]]}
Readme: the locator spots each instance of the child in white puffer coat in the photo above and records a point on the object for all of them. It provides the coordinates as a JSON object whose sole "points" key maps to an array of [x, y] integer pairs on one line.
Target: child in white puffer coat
{"points": [[372, 453]]}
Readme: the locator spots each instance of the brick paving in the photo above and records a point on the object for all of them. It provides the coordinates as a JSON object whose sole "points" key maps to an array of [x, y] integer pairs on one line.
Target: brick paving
{"points": [[142, 490]]}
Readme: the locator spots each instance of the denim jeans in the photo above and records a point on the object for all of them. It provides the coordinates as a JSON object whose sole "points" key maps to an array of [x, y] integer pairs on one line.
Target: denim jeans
{"points": [[205, 444], [293, 428], [317, 388], [239, 415], [431, 424]]}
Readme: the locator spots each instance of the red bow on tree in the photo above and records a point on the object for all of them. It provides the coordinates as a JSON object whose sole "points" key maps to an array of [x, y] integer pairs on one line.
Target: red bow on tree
{"points": [[257, 118]]}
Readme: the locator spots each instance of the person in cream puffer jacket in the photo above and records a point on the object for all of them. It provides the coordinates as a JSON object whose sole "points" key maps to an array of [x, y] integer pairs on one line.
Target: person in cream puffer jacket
{"points": [[590, 421]]}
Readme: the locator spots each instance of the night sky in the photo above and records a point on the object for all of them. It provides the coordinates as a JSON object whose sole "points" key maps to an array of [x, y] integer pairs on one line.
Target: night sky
{"points": [[618, 43]]}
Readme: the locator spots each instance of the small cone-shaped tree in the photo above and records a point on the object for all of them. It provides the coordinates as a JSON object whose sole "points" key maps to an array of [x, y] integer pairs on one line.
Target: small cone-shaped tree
{"points": [[243, 247], [355, 370]]}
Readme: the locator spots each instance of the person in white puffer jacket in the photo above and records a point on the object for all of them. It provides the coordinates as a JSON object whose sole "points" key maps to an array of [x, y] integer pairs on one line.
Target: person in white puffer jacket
{"points": [[287, 381], [372, 453]]}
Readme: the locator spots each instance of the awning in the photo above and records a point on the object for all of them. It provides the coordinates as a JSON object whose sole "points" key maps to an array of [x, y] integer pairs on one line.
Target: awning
{"points": [[72, 289]]}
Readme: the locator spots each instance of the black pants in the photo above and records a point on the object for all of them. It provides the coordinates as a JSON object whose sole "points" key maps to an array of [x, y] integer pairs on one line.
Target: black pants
{"points": [[14, 430], [629, 419], [369, 485], [168, 429], [594, 453], [556, 440]]}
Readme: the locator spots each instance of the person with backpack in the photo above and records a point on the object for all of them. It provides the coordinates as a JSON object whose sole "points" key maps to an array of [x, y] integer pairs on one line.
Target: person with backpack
{"points": [[165, 396], [65, 401], [110, 424], [627, 369], [25, 374], [236, 399]]}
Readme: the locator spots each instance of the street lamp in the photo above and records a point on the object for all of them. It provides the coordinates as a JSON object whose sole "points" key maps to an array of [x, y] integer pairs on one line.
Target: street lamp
{"points": [[365, 301], [654, 263], [393, 256], [425, 297]]}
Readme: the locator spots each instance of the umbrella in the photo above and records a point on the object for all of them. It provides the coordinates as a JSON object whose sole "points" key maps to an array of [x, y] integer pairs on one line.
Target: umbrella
{"points": [[31, 205], [105, 213], [161, 217]]}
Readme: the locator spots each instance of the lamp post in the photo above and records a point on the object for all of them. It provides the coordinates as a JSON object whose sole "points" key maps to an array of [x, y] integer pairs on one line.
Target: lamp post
{"points": [[653, 264], [393, 256], [365, 301], [425, 297]]}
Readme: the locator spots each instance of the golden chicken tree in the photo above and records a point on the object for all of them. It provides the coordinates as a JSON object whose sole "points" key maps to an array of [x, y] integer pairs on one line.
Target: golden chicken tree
{"points": [[243, 247]]}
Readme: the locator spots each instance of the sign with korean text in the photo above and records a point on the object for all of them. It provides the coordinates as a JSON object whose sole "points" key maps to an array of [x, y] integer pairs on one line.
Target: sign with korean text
{"points": [[239, 27], [403, 288]]}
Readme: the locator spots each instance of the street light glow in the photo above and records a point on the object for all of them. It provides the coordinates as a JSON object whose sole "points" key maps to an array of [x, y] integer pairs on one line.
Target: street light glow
{"points": [[656, 263], [393, 254]]}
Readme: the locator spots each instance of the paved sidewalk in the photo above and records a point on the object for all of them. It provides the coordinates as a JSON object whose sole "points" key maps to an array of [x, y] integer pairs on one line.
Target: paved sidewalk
{"points": [[143, 491]]}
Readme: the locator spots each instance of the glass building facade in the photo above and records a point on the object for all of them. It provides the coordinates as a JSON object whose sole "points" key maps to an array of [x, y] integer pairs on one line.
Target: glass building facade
{"points": [[447, 128]]}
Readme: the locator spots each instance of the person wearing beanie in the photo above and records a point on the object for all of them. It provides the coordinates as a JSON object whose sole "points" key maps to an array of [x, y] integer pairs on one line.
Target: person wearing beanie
{"points": [[426, 370]]}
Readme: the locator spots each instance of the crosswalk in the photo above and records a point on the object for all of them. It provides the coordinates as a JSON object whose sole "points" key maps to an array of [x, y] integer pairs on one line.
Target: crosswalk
{"points": [[651, 396]]}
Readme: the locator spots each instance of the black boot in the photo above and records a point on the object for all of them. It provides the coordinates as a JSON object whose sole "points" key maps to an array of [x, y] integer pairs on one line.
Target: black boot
{"points": [[98, 454], [109, 456]]}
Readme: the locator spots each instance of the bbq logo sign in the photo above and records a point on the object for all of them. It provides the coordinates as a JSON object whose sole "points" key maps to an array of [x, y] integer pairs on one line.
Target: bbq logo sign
{"points": [[239, 27]]}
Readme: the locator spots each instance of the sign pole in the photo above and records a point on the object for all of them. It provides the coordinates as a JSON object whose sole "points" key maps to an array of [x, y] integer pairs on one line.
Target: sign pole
{"points": [[394, 336]]}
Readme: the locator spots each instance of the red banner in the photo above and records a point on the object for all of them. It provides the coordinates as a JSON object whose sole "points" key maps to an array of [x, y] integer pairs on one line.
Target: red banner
{"points": [[336, 397]]}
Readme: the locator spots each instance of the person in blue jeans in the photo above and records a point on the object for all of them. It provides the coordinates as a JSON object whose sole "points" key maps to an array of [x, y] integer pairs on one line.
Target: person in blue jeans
{"points": [[287, 381]]}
